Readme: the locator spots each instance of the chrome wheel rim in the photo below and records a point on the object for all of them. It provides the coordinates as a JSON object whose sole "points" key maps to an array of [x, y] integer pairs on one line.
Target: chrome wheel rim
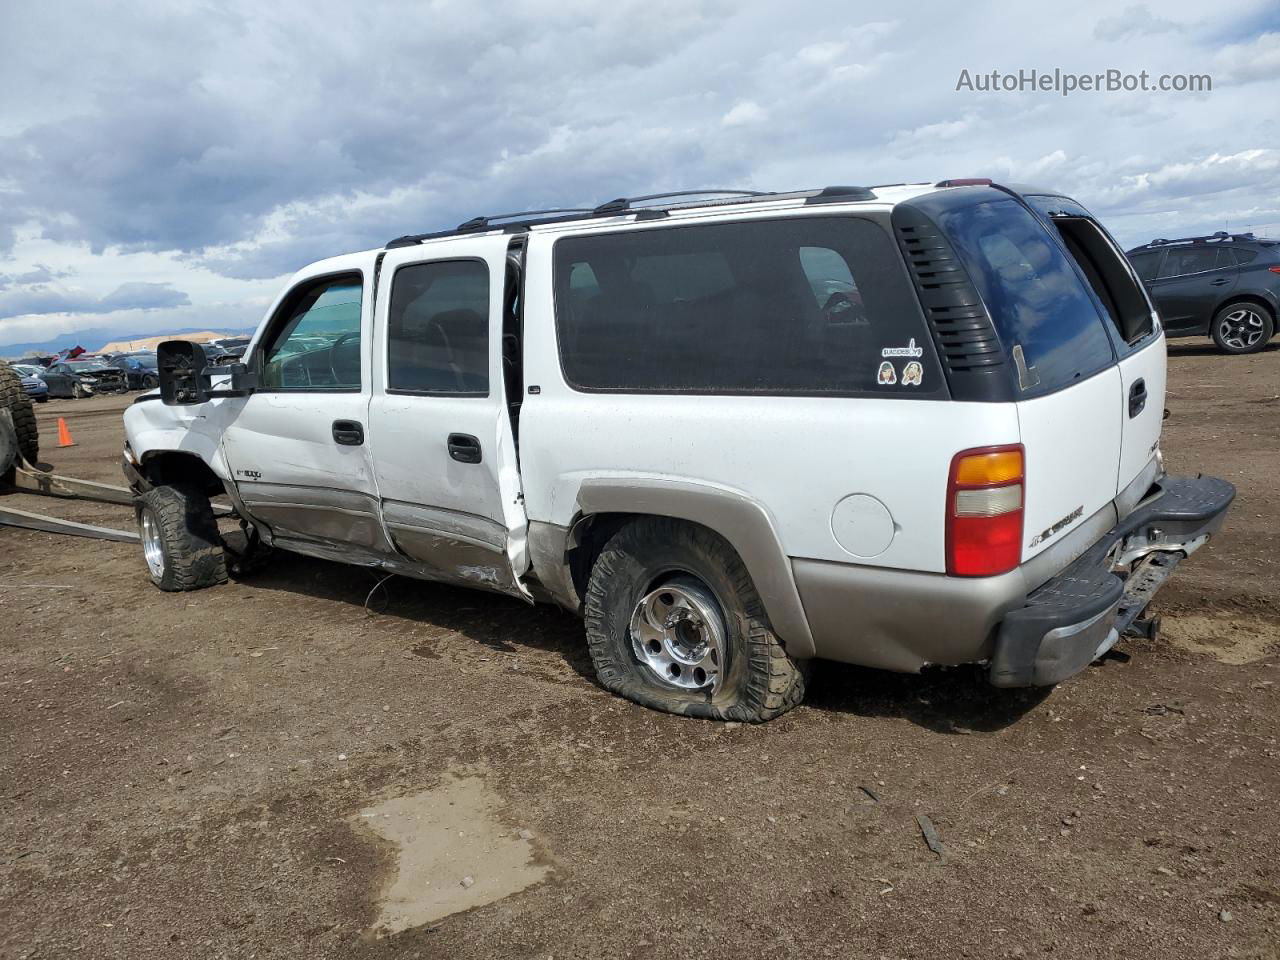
{"points": [[678, 635], [1241, 329], [151, 547]]}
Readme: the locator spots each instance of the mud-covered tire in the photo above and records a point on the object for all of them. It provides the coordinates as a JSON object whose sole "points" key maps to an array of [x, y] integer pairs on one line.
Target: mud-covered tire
{"points": [[758, 680], [14, 399], [186, 535]]}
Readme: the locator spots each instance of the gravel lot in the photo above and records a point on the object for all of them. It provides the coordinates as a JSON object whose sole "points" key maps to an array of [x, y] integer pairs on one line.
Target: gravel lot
{"points": [[208, 775]]}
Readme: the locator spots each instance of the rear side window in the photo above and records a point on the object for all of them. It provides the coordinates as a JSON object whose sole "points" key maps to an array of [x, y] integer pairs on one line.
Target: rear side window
{"points": [[1245, 256], [1146, 264], [438, 329], [802, 306], [1039, 305], [1183, 260]]}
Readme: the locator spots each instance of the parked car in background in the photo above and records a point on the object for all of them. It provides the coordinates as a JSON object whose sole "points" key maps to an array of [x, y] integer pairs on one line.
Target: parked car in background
{"points": [[1226, 286], [81, 378], [234, 347], [140, 369], [32, 385]]}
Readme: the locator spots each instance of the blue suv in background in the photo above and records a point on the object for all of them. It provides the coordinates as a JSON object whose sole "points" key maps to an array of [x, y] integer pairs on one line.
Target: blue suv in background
{"points": [[1226, 286]]}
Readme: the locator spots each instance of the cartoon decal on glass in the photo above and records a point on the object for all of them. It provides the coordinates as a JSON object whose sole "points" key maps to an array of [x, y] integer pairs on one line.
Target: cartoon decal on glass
{"points": [[887, 373], [912, 374]]}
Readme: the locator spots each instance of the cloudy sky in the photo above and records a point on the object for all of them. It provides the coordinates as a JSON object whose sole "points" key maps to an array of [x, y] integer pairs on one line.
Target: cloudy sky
{"points": [[166, 165]]}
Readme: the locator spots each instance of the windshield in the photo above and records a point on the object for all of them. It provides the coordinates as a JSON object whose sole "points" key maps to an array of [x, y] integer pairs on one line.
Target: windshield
{"points": [[26, 370], [88, 366]]}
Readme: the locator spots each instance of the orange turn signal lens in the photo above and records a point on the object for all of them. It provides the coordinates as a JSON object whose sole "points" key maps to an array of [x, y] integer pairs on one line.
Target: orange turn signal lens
{"points": [[989, 469]]}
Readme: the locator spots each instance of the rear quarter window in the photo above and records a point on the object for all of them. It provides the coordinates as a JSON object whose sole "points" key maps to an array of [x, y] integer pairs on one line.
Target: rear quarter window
{"points": [[797, 306], [1036, 300]]}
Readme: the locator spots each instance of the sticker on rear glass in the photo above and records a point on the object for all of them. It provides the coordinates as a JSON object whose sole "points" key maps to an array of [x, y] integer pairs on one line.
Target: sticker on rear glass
{"points": [[912, 374], [887, 373], [910, 350]]}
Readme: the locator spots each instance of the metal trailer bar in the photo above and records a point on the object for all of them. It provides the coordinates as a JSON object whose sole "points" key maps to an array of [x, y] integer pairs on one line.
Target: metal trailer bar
{"points": [[28, 480], [10, 517]]}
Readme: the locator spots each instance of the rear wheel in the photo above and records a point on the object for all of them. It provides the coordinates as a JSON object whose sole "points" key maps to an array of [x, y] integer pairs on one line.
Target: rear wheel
{"points": [[14, 399], [150, 381], [1242, 328], [180, 540], [674, 623]]}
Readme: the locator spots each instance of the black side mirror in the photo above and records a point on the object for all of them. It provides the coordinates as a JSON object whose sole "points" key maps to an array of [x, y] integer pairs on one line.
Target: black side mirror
{"points": [[182, 372]]}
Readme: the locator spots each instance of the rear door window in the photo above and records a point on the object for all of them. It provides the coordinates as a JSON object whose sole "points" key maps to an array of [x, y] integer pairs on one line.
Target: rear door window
{"points": [[801, 306], [1181, 261], [1043, 313]]}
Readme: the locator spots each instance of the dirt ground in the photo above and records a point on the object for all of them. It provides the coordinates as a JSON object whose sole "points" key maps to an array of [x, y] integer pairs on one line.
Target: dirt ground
{"points": [[214, 774]]}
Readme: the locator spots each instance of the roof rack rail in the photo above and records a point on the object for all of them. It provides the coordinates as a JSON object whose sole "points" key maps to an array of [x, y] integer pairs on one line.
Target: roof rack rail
{"points": [[510, 222], [840, 195], [480, 223], [1218, 237], [624, 204]]}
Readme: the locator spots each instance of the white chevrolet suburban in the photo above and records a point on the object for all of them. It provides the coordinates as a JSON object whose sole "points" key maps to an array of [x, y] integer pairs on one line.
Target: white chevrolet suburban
{"points": [[894, 426]]}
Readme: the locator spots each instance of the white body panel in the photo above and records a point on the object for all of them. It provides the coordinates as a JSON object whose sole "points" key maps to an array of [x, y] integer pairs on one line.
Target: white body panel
{"points": [[408, 438], [1142, 432], [280, 449], [1072, 441], [797, 456]]}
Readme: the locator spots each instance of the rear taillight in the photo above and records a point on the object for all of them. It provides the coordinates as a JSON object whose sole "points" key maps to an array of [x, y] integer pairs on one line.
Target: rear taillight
{"points": [[984, 511], [1274, 269]]}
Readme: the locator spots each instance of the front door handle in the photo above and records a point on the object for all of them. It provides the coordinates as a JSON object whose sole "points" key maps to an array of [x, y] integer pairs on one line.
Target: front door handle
{"points": [[1137, 397], [1219, 282], [348, 433], [464, 448]]}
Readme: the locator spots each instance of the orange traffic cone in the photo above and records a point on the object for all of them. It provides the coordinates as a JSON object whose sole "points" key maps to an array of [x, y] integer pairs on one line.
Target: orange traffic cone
{"points": [[64, 435]]}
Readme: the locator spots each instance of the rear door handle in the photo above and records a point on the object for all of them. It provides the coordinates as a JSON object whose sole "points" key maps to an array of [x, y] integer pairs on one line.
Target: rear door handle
{"points": [[1137, 397], [464, 448], [1219, 282], [348, 433]]}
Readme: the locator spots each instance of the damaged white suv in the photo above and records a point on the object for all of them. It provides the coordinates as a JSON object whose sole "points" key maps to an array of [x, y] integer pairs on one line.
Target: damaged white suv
{"points": [[896, 426]]}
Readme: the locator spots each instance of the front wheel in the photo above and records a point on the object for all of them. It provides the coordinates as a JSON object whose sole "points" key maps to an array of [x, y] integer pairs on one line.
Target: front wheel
{"points": [[1242, 328], [180, 540], [674, 623]]}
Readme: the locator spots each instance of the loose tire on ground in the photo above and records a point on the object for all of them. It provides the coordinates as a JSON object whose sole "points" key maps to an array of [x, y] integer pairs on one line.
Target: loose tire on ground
{"points": [[1242, 327], [757, 680], [14, 399], [181, 545]]}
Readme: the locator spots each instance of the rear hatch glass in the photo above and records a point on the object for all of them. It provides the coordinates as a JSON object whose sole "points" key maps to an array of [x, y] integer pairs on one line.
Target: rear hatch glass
{"points": [[1044, 315]]}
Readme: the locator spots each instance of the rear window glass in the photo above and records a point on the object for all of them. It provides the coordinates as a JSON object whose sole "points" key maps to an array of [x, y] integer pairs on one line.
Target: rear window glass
{"points": [[438, 328], [1146, 264], [1183, 260], [1033, 294], [812, 305]]}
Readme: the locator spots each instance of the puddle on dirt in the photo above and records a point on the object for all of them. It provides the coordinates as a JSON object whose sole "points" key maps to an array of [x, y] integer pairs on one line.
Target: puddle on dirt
{"points": [[1233, 640], [453, 853]]}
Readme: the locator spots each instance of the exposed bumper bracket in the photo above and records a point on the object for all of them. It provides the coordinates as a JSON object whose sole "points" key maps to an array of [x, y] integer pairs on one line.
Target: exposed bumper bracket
{"points": [[1077, 616]]}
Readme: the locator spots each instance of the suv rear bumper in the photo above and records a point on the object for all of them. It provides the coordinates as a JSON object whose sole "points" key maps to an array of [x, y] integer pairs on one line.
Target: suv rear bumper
{"points": [[1075, 617]]}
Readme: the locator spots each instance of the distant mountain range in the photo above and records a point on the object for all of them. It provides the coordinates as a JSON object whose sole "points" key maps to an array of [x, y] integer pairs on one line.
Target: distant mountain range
{"points": [[93, 339]]}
